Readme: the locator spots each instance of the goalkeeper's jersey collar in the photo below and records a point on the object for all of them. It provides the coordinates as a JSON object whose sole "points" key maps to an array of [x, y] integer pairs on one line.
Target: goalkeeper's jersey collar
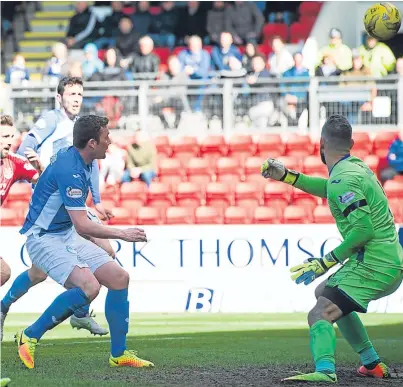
{"points": [[343, 158]]}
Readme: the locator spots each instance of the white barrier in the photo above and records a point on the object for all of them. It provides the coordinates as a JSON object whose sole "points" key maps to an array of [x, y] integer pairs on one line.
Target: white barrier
{"points": [[205, 269]]}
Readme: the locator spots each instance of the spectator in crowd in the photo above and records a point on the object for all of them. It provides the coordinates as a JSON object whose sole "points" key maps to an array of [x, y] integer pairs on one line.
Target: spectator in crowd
{"points": [[295, 97], [281, 11], [83, 26], [142, 18], [281, 59], [250, 51], [109, 28], [57, 65], [358, 70], [127, 40], [327, 67], [17, 73], [263, 106], [195, 61], [216, 21], [377, 57], [395, 159], [141, 159], [112, 166], [165, 25], [8, 12], [193, 21], [92, 63], [145, 61], [244, 21], [170, 107], [220, 56], [340, 53], [75, 70], [112, 71]]}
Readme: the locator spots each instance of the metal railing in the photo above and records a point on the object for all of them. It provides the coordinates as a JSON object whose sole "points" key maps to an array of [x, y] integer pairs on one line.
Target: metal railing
{"points": [[226, 104]]}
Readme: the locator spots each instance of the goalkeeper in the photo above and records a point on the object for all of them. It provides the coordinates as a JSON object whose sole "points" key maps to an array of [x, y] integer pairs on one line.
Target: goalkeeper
{"points": [[370, 255]]}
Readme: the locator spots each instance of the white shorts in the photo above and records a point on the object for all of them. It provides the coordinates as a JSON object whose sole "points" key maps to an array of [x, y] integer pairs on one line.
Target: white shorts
{"points": [[58, 254]]}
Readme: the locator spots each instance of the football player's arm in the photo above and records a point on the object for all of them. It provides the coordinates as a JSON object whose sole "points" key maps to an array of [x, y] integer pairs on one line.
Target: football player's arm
{"points": [[351, 201], [276, 170], [30, 142]]}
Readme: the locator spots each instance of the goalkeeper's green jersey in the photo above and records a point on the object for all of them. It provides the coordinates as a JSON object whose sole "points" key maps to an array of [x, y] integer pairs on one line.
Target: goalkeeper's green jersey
{"points": [[353, 191]]}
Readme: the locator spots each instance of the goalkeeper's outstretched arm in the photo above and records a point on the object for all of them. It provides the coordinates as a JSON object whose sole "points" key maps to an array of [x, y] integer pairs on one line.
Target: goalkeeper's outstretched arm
{"points": [[276, 170]]}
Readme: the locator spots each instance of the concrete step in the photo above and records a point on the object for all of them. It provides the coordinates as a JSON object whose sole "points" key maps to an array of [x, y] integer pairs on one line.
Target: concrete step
{"points": [[49, 25], [37, 56], [54, 15], [36, 46], [44, 35], [32, 65], [55, 6]]}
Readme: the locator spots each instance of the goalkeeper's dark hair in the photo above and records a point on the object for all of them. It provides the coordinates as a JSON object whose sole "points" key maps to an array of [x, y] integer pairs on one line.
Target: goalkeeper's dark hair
{"points": [[337, 132], [88, 128], [68, 81]]}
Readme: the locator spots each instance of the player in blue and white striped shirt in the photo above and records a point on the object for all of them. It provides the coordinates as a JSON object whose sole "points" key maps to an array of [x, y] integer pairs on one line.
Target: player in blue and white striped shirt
{"points": [[58, 204]]}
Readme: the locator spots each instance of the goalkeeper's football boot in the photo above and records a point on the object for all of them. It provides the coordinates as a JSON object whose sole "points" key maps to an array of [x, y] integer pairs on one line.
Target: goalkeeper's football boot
{"points": [[88, 323], [129, 359], [314, 377], [4, 382], [26, 349], [380, 371]]}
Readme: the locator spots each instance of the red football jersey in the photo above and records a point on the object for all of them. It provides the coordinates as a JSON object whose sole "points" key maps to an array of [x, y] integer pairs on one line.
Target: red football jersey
{"points": [[12, 168]]}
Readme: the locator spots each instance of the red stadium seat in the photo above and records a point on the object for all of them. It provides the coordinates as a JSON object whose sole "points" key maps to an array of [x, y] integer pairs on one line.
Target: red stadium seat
{"points": [[372, 161], [273, 29], [299, 146], [148, 215], [322, 214], [394, 189], [228, 170], [398, 178], [218, 195], [300, 32], [241, 147], [266, 215], [213, 147], [304, 199], [208, 215], [291, 162], [362, 145], [108, 203], [132, 204], [247, 195], [297, 215], [10, 217], [265, 49], [163, 53], [277, 192], [122, 216], [18, 205], [179, 215], [178, 50], [236, 215], [310, 7], [396, 206], [170, 171], [313, 164], [163, 146], [135, 190], [109, 192], [184, 148], [188, 195], [252, 171], [198, 171], [20, 191], [270, 145], [160, 196], [155, 10], [382, 142]]}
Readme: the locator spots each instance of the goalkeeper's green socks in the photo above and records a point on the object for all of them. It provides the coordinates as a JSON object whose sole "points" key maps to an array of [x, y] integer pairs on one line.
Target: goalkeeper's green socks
{"points": [[356, 335], [323, 346]]}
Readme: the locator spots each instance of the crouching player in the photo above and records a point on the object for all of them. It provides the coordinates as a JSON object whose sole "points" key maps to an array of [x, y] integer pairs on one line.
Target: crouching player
{"points": [[54, 245], [370, 254]]}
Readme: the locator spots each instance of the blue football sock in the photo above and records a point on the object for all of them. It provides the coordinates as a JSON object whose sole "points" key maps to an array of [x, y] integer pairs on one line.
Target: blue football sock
{"points": [[369, 356], [83, 311], [19, 287], [62, 307], [117, 315]]}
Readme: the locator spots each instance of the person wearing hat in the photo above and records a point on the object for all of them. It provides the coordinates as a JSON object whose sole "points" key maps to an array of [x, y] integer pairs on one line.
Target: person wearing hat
{"points": [[377, 56], [340, 53]]}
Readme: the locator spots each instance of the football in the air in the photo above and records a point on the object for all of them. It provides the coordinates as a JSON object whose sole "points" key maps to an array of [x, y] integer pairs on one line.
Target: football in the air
{"points": [[382, 21]]}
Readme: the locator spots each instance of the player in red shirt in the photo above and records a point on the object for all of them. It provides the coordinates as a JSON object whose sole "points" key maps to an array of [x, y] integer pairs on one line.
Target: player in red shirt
{"points": [[12, 168]]}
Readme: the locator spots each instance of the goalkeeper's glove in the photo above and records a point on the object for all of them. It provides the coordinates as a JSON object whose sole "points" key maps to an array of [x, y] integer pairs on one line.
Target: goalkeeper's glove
{"points": [[275, 169], [312, 268]]}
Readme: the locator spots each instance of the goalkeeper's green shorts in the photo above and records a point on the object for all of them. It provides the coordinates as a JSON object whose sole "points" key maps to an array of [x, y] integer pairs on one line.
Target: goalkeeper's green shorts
{"points": [[362, 284]]}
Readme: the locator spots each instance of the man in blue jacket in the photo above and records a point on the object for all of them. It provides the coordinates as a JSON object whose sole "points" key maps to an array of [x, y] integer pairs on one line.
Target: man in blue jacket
{"points": [[395, 159], [220, 56]]}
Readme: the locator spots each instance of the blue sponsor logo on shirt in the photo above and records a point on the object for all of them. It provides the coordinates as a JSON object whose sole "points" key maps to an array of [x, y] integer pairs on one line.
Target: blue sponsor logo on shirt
{"points": [[347, 197]]}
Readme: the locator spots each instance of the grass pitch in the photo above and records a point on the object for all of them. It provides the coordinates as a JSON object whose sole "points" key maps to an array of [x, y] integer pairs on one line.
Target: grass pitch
{"points": [[195, 350]]}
